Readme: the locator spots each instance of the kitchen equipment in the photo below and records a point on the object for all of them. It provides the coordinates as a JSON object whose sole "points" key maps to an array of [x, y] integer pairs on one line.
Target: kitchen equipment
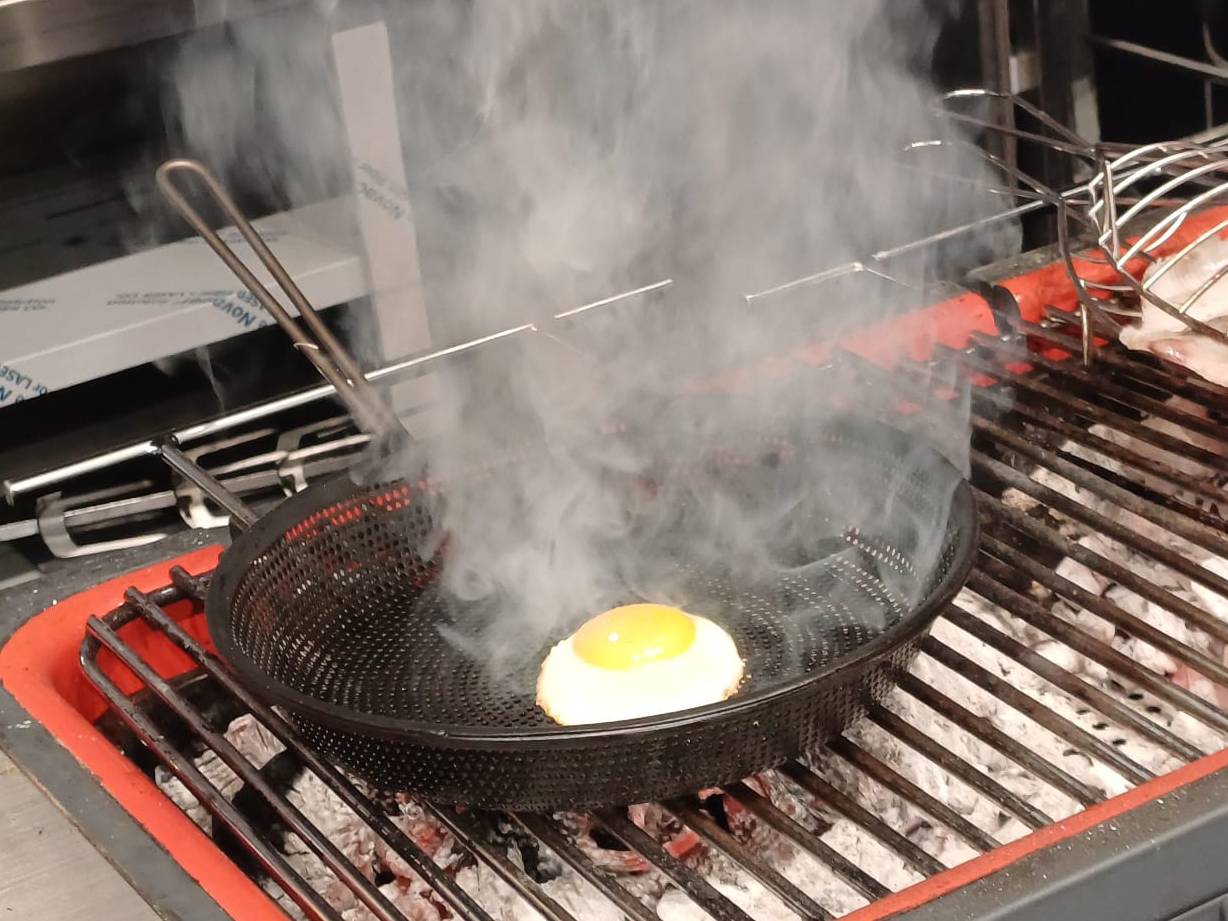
{"points": [[327, 607]]}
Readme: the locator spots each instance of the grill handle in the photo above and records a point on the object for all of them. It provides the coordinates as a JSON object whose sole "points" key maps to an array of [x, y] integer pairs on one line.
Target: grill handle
{"points": [[318, 343], [241, 514]]}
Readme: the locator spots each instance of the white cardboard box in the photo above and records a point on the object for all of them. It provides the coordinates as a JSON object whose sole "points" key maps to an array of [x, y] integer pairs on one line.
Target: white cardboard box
{"points": [[103, 318]]}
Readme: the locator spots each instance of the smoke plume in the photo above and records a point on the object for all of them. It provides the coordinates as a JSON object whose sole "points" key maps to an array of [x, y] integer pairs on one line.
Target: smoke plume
{"points": [[558, 152]]}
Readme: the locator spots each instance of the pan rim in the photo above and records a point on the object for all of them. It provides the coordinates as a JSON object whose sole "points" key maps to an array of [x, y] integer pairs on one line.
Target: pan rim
{"points": [[250, 544]]}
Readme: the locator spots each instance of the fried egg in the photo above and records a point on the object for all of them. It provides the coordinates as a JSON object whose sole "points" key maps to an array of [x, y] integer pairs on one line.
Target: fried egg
{"points": [[637, 660]]}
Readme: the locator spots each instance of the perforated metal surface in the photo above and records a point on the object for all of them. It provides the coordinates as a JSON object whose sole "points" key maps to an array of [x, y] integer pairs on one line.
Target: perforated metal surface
{"points": [[327, 608]]}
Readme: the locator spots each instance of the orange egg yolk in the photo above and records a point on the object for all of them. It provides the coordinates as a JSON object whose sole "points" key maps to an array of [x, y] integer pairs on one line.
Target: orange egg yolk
{"points": [[634, 635]]}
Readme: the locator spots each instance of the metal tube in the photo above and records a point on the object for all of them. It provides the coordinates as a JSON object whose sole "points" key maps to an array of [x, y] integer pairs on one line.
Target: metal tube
{"points": [[808, 841], [812, 783], [456, 897], [901, 786], [1034, 710], [995, 738], [956, 766], [694, 886], [703, 825]]}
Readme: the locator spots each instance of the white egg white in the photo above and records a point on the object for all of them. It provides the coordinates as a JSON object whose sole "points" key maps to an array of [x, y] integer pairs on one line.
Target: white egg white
{"points": [[574, 692]]}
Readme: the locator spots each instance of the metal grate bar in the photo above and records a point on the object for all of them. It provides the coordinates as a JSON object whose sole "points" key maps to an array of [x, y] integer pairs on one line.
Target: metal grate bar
{"points": [[270, 859], [600, 879], [1076, 687], [476, 835], [1119, 532], [456, 897], [364, 889], [1102, 607], [1193, 531], [848, 871], [1073, 373], [705, 826], [1175, 379], [995, 738], [1112, 570], [1034, 710], [900, 785], [987, 401], [815, 785], [1081, 642], [1053, 397], [958, 767], [697, 889]]}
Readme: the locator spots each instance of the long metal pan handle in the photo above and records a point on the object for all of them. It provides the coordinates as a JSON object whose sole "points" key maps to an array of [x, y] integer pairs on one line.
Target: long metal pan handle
{"points": [[321, 347], [241, 514]]}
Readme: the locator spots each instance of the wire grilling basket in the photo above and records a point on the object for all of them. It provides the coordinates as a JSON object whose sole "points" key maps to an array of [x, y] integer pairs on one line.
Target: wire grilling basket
{"points": [[329, 607]]}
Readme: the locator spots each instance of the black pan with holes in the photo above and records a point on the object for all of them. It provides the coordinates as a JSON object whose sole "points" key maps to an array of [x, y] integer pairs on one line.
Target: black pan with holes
{"points": [[327, 608]]}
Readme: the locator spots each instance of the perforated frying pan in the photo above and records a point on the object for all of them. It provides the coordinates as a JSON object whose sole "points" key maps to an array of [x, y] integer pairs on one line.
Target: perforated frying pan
{"points": [[327, 608]]}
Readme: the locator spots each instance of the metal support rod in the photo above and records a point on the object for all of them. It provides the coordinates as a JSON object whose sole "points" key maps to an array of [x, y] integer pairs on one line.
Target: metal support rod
{"points": [[456, 897], [694, 886], [705, 826], [957, 767], [900, 785], [816, 786], [995, 738], [808, 841]]}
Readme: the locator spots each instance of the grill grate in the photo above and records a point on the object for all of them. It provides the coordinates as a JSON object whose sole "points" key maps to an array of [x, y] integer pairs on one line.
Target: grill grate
{"points": [[1064, 461]]}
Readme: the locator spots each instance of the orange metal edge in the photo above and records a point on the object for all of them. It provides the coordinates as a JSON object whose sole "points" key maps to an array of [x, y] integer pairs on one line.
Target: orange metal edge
{"points": [[40, 667], [980, 867]]}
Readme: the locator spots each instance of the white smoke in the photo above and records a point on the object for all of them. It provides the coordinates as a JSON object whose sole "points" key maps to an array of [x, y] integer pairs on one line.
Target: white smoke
{"points": [[561, 151]]}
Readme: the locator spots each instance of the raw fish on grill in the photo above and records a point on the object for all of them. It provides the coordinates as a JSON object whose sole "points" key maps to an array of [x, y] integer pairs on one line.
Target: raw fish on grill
{"points": [[1166, 336]]}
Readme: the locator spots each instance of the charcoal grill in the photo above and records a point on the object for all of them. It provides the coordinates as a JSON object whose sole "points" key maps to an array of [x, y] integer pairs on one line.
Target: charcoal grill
{"points": [[1107, 724], [1039, 694]]}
